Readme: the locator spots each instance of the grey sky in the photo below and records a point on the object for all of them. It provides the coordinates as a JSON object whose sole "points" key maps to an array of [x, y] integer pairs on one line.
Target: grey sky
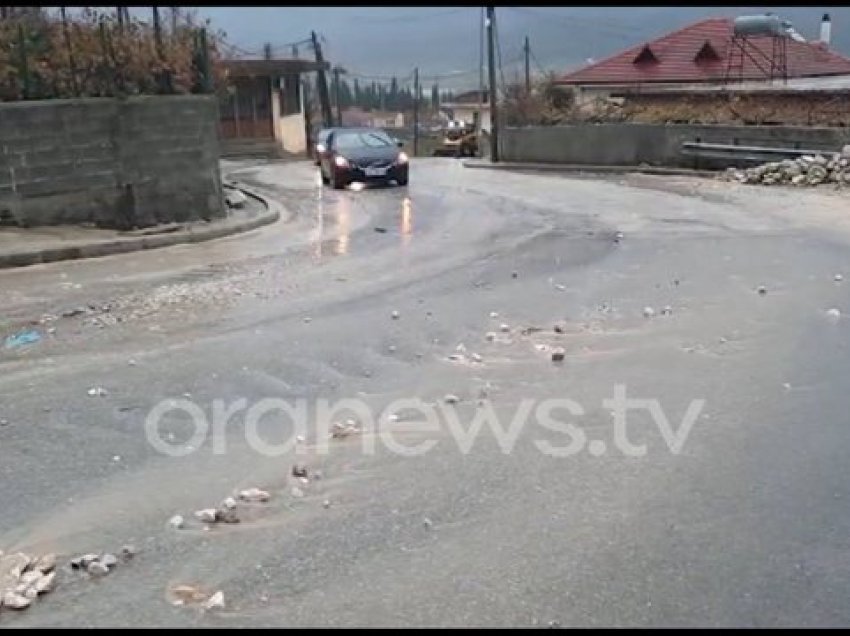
{"points": [[439, 40]]}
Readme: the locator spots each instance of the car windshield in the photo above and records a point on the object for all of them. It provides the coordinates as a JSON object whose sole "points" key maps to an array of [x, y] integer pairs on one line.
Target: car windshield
{"points": [[351, 140]]}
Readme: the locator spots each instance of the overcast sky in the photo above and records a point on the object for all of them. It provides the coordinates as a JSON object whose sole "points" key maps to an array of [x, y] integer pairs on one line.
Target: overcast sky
{"points": [[441, 41]]}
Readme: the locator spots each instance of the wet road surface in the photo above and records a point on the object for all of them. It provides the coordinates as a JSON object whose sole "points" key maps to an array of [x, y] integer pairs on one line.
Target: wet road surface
{"points": [[748, 524]]}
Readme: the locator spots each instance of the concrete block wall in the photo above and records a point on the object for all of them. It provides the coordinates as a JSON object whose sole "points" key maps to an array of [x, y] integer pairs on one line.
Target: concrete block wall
{"points": [[114, 163], [654, 144]]}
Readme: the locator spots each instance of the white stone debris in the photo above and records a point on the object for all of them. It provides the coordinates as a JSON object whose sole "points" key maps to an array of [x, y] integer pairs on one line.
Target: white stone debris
{"points": [[494, 314], [206, 515], [96, 568], [176, 522], [648, 312], [235, 198], [834, 315], [97, 391], [296, 492], [450, 398], [254, 494], [15, 601], [807, 170], [229, 503], [668, 310], [344, 429], [762, 290], [44, 564], [490, 336], [838, 278], [504, 328], [558, 354], [216, 600], [395, 315]]}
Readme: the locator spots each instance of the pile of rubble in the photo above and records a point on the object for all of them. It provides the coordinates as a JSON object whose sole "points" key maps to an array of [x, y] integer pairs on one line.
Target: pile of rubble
{"points": [[23, 578], [808, 170]]}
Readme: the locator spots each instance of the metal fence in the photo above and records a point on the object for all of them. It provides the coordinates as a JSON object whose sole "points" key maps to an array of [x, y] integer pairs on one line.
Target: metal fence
{"points": [[95, 54]]}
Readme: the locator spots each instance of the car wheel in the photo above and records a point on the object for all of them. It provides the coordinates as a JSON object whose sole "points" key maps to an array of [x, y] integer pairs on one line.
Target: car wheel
{"points": [[402, 180], [337, 182]]}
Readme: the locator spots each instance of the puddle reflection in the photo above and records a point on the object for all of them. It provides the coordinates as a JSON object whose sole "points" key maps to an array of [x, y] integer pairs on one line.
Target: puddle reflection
{"points": [[406, 221]]}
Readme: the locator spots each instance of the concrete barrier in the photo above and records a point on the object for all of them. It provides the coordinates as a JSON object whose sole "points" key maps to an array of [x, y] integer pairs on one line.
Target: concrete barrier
{"points": [[115, 163], [653, 144]]}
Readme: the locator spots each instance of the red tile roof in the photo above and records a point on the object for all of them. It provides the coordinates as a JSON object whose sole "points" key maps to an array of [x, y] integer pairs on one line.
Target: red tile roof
{"points": [[676, 55]]}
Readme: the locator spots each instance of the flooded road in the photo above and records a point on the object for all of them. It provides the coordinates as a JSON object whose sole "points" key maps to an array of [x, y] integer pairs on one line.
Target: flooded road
{"points": [[745, 524]]}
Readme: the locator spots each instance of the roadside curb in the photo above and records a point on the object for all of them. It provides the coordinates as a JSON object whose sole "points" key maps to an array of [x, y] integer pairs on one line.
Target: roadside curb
{"points": [[570, 167], [98, 249]]}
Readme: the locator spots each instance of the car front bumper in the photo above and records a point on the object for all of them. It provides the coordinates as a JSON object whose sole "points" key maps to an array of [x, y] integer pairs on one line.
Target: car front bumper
{"points": [[358, 173]]}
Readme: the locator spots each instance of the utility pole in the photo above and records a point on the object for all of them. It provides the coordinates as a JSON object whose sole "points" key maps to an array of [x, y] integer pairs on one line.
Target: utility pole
{"points": [[491, 61], [415, 111], [480, 69], [527, 51], [324, 98], [336, 71]]}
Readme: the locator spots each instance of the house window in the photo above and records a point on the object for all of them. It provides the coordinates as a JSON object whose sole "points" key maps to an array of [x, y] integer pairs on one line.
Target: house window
{"points": [[706, 54], [646, 56], [290, 95]]}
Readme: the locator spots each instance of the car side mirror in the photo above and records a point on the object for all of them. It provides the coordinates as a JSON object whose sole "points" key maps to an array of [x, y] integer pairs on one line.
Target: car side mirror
{"points": [[399, 143]]}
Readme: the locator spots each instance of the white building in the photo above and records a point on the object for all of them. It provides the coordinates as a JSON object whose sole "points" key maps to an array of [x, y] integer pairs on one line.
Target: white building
{"points": [[472, 107]]}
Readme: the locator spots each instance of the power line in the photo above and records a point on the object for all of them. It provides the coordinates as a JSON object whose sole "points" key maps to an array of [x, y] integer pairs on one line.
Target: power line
{"points": [[539, 65], [574, 21]]}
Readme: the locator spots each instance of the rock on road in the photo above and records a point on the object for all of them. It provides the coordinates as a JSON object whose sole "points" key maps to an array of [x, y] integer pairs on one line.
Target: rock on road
{"points": [[747, 525]]}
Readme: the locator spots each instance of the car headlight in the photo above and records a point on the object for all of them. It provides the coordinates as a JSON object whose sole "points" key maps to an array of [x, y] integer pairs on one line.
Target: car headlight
{"points": [[320, 147], [402, 157], [341, 161]]}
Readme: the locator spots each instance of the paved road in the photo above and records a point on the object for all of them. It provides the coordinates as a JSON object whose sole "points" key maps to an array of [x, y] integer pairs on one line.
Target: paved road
{"points": [[748, 524]]}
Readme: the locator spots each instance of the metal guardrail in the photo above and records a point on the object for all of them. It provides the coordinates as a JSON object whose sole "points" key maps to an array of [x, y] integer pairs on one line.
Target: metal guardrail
{"points": [[750, 153]]}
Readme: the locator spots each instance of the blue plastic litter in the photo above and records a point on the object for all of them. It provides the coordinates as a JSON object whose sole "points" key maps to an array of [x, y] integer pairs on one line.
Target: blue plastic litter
{"points": [[22, 339]]}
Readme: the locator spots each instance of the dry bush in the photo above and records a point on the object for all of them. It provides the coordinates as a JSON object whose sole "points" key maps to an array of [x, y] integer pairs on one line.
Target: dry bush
{"points": [[105, 57], [545, 105]]}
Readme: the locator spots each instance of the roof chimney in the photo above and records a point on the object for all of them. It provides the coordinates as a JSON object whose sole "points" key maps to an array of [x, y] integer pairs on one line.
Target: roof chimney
{"points": [[825, 29]]}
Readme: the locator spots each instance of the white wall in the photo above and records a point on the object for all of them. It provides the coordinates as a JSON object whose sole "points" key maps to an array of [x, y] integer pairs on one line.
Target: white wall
{"points": [[292, 134], [288, 129]]}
